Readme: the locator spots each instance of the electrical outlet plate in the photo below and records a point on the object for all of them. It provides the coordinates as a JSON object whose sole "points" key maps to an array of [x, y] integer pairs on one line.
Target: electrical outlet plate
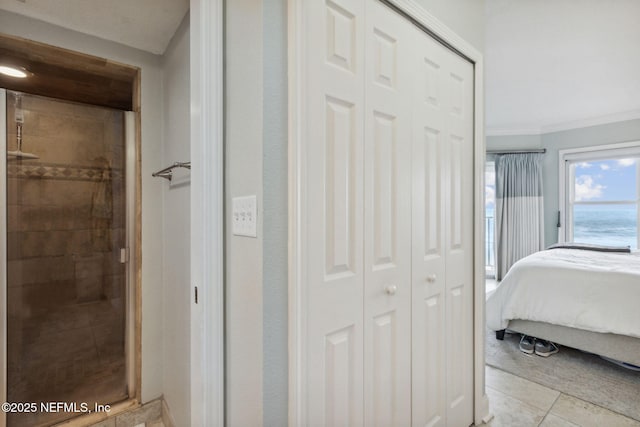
{"points": [[245, 216]]}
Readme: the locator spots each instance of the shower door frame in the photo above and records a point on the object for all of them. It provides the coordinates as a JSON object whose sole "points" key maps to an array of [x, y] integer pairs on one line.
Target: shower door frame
{"points": [[133, 317], [3, 253], [133, 320]]}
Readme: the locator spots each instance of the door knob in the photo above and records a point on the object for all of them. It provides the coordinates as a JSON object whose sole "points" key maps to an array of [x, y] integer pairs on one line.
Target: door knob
{"points": [[431, 278], [391, 289]]}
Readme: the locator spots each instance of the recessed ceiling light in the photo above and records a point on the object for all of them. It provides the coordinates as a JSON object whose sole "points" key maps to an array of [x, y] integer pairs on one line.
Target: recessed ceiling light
{"points": [[20, 73]]}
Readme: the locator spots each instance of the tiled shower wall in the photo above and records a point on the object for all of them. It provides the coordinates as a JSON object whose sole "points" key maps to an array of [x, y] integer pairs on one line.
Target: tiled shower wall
{"points": [[66, 209], [66, 225]]}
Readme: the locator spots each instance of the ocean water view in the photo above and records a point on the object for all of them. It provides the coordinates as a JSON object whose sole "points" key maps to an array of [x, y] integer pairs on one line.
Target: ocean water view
{"points": [[596, 224], [606, 225]]}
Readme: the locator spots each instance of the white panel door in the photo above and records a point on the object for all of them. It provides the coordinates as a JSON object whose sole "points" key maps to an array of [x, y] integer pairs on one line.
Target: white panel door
{"points": [[387, 232], [442, 328], [428, 232], [334, 212], [387, 207], [458, 82]]}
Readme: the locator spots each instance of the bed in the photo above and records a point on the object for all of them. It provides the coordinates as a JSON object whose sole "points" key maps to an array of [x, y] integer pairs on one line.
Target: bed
{"points": [[585, 299]]}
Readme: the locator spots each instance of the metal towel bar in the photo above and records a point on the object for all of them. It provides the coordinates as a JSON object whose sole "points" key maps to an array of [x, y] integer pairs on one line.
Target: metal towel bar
{"points": [[167, 173]]}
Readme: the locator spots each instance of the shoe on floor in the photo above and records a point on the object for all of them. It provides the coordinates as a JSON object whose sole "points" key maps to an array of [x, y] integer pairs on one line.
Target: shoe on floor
{"points": [[545, 348], [527, 344]]}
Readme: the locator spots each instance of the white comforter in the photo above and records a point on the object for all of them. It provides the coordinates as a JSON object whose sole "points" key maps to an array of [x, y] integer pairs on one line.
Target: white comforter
{"points": [[596, 291]]}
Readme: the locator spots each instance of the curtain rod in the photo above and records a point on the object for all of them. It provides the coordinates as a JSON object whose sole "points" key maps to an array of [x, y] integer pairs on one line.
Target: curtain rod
{"points": [[535, 150]]}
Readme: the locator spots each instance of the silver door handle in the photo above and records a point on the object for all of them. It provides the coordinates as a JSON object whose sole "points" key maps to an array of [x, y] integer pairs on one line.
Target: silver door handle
{"points": [[431, 278]]}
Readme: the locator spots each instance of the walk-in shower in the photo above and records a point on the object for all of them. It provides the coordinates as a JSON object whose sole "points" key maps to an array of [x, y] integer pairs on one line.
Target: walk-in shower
{"points": [[67, 300]]}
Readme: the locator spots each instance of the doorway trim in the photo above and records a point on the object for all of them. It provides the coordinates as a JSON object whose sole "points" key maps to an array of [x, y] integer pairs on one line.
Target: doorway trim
{"points": [[3, 252], [207, 215], [297, 198], [63, 58]]}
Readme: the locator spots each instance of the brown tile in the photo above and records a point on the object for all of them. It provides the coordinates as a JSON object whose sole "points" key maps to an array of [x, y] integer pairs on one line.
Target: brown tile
{"points": [[51, 294], [13, 218], [14, 302], [52, 217], [89, 266], [51, 192], [13, 246], [106, 313], [59, 318], [15, 272], [12, 192], [46, 243], [114, 286], [89, 289], [40, 270]]}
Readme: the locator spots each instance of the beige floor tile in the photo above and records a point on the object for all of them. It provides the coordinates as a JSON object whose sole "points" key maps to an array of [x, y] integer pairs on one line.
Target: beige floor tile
{"points": [[554, 421], [509, 412], [534, 394], [150, 411], [586, 414], [111, 422]]}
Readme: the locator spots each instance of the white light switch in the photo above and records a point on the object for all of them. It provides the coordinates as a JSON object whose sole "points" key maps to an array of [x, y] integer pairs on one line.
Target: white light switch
{"points": [[245, 216]]}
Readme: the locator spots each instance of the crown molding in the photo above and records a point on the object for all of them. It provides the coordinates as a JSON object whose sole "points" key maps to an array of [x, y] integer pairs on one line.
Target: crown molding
{"points": [[564, 126], [511, 131]]}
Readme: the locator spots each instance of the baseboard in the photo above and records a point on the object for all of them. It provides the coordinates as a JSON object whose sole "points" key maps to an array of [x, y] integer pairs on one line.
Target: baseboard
{"points": [[167, 419]]}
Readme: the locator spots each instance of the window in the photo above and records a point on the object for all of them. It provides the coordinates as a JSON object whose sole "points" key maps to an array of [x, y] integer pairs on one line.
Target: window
{"points": [[489, 221], [600, 195]]}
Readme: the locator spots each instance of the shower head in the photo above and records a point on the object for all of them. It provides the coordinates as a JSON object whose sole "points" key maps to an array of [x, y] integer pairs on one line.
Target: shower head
{"points": [[19, 154]]}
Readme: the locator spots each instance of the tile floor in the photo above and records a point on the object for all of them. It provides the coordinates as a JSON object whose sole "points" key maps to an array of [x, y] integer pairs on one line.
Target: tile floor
{"points": [[149, 415], [515, 401], [68, 354]]}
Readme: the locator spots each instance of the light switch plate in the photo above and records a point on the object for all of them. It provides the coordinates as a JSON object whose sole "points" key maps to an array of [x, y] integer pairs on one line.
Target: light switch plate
{"points": [[245, 216]]}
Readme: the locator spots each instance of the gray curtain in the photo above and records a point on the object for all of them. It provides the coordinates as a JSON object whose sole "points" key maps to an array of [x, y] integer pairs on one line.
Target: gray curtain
{"points": [[519, 209]]}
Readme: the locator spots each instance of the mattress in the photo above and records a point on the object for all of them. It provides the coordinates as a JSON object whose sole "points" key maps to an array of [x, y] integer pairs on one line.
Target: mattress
{"points": [[587, 290]]}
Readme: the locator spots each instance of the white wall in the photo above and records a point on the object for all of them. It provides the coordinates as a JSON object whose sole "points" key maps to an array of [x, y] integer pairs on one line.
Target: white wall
{"points": [[465, 17], [275, 218], [176, 227], [152, 236], [243, 176]]}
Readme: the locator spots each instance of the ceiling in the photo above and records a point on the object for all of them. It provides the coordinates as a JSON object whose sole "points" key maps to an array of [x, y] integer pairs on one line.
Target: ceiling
{"points": [[560, 64], [63, 74], [549, 64], [148, 25]]}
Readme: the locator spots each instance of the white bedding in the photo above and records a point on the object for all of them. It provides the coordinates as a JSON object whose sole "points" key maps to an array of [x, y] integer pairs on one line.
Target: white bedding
{"points": [[596, 291]]}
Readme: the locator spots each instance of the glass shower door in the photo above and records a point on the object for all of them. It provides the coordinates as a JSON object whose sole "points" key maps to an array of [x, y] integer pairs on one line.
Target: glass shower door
{"points": [[66, 284]]}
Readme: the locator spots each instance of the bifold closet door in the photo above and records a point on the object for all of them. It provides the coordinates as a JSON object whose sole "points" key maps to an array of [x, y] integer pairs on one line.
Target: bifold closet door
{"points": [[442, 169], [333, 199], [385, 303], [459, 240], [387, 214]]}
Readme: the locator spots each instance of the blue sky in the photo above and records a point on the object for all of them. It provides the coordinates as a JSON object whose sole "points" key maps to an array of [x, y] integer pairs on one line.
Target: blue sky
{"points": [[606, 180]]}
